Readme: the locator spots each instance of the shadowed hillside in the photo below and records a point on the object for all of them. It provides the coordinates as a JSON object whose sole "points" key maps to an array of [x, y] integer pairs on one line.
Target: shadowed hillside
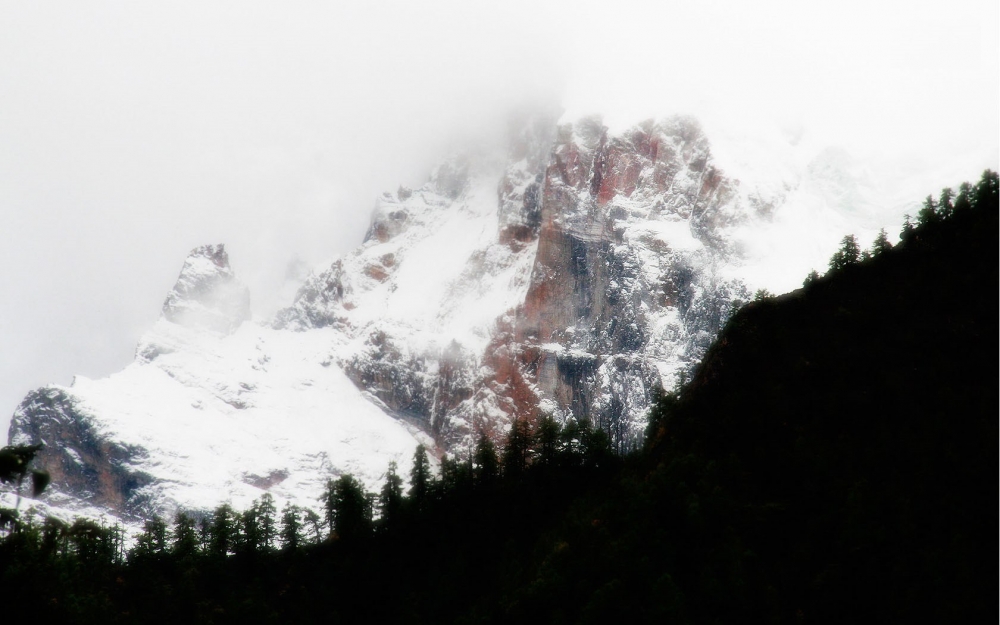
{"points": [[848, 430]]}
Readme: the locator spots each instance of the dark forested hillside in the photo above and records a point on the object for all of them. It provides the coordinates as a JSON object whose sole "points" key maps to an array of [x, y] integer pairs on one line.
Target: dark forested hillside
{"points": [[850, 427], [830, 462]]}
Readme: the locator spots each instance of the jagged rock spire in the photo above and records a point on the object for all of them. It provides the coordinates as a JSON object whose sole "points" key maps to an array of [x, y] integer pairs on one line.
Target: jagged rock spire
{"points": [[207, 293]]}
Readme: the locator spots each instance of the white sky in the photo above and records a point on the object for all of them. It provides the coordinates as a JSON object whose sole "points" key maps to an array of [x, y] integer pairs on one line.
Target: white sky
{"points": [[131, 132]]}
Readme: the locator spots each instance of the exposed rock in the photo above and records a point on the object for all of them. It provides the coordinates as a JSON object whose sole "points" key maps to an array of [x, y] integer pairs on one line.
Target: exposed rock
{"points": [[212, 410], [79, 459], [609, 298], [207, 294], [575, 277], [392, 373], [615, 242]]}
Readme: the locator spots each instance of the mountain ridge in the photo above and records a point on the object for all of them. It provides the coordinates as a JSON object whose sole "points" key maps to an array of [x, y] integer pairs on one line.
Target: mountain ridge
{"points": [[575, 276]]}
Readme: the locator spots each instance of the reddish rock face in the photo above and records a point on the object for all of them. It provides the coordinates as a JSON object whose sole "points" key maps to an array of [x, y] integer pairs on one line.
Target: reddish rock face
{"points": [[617, 172], [570, 275], [617, 236], [581, 336], [376, 272], [515, 236], [513, 365], [77, 457]]}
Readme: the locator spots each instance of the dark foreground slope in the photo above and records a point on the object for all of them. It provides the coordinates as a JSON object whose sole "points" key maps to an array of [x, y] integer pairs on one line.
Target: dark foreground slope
{"points": [[832, 461], [849, 431]]}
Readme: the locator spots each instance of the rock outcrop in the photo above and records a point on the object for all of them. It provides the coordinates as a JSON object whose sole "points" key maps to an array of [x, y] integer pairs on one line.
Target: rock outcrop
{"points": [[81, 461], [607, 247], [213, 409], [207, 294]]}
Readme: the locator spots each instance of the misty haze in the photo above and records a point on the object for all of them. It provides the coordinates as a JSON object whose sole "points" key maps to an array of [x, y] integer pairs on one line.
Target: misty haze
{"points": [[546, 312]]}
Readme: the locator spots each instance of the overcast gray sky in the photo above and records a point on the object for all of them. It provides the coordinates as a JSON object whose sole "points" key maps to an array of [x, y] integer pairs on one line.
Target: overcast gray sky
{"points": [[131, 132]]}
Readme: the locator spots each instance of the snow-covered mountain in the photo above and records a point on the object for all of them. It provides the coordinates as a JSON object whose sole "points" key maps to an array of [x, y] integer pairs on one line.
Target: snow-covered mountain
{"points": [[587, 278], [574, 275], [214, 408]]}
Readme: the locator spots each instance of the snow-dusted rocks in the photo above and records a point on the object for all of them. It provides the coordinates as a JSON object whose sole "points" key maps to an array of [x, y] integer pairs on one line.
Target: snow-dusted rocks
{"points": [[88, 468], [625, 291], [581, 282], [417, 302], [573, 275], [209, 413], [207, 294]]}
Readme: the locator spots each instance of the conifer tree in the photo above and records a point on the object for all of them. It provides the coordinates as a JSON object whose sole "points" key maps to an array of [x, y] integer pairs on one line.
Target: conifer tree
{"points": [[848, 254], [963, 201], [596, 446], [881, 244], [909, 231], [247, 539], [330, 505], [986, 188], [571, 440], [420, 477], [266, 512], [159, 535], [90, 543], [390, 499], [153, 539], [547, 440], [352, 513], [944, 205], [222, 531], [314, 523], [185, 536], [53, 534], [812, 277], [117, 534], [486, 467], [517, 452], [291, 527], [450, 477], [928, 212], [205, 534], [458, 477]]}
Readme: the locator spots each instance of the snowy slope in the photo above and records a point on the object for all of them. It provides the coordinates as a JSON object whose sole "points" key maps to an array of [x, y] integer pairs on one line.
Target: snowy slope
{"points": [[430, 268], [204, 416]]}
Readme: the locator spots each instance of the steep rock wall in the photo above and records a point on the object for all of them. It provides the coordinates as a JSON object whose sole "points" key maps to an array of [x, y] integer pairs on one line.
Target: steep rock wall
{"points": [[604, 276], [608, 247], [80, 460]]}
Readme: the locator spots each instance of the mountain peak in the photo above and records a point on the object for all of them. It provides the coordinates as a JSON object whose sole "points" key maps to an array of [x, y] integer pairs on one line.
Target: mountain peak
{"points": [[207, 294]]}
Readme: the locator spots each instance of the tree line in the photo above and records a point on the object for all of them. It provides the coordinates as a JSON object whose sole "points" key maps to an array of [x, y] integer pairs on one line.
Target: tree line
{"points": [[346, 512], [931, 214]]}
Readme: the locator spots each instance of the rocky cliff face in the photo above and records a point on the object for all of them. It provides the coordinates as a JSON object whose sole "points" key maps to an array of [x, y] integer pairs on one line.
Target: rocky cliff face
{"points": [[624, 293], [79, 459], [605, 250], [207, 294]]}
